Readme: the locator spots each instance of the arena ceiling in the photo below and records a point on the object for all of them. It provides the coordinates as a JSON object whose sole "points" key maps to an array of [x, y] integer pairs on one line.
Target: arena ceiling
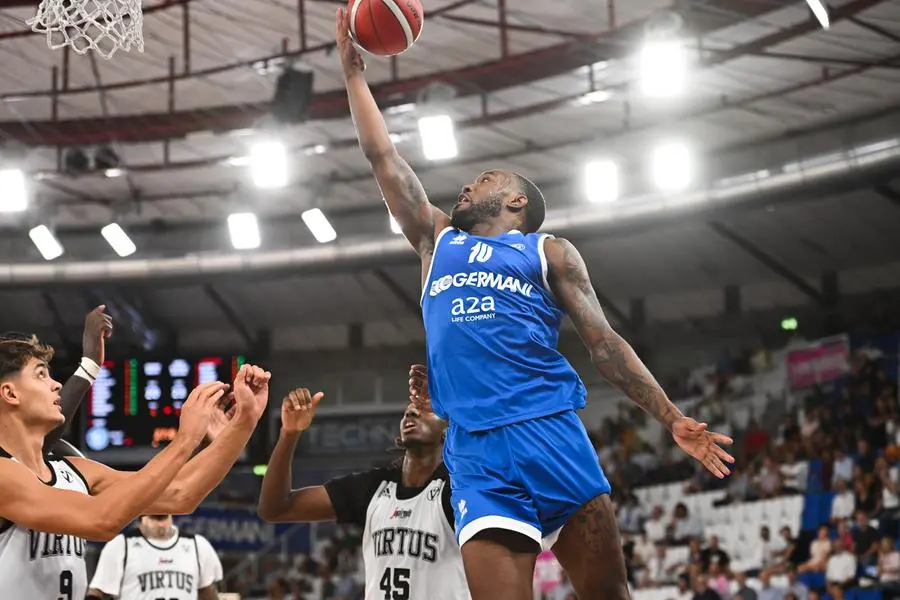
{"points": [[795, 132]]}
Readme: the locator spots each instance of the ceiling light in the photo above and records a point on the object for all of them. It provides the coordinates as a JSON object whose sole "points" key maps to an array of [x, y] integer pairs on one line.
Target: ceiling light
{"points": [[438, 139], [118, 240], [244, 231], [13, 192], [820, 11], [269, 164], [105, 158], [319, 226], [594, 97], [663, 68], [112, 173], [46, 242], [671, 166], [601, 181]]}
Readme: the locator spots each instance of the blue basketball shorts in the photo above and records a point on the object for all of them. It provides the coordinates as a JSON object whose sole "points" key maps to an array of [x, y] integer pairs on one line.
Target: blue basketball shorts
{"points": [[529, 477]]}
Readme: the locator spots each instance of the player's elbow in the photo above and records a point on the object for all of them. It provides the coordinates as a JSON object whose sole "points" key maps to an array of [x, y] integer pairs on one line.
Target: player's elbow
{"points": [[269, 512]]}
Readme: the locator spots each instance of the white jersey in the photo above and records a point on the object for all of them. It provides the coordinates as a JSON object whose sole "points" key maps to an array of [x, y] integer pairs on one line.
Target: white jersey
{"points": [[409, 546], [132, 567], [40, 565]]}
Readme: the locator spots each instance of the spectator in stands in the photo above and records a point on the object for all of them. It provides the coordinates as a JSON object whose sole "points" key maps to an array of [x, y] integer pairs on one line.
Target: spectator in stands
{"points": [[844, 502], [278, 589], [756, 440], [795, 586], [769, 549], [865, 455], [713, 554], [660, 569], [865, 540], [629, 513], [793, 474], [840, 572], [718, 581], [742, 590], [842, 467], [768, 481], [684, 527], [889, 569], [888, 478], [810, 424], [842, 532], [684, 588], [655, 527], [702, 591], [738, 488], [766, 590], [819, 550], [864, 492]]}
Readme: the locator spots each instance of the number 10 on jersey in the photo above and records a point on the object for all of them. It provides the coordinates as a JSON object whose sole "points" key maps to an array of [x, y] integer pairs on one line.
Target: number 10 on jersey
{"points": [[395, 584]]}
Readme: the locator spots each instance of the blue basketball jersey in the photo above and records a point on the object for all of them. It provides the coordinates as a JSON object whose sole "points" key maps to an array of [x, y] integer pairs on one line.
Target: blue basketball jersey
{"points": [[492, 327]]}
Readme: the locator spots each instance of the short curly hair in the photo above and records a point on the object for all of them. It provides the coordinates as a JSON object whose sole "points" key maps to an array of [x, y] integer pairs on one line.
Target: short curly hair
{"points": [[16, 349]]}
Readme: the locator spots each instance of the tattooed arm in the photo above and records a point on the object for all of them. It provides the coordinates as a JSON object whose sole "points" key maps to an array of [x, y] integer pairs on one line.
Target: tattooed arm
{"points": [[617, 361], [613, 356], [419, 220]]}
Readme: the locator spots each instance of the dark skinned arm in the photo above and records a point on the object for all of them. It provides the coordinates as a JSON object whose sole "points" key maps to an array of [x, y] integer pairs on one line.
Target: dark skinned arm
{"points": [[207, 593], [98, 327], [403, 193], [278, 503], [614, 358]]}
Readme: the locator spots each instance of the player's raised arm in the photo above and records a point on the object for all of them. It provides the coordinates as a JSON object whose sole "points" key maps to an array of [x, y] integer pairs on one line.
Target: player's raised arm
{"points": [[28, 503], [98, 326], [617, 361], [402, 190], [277, 501], [207, 469]]}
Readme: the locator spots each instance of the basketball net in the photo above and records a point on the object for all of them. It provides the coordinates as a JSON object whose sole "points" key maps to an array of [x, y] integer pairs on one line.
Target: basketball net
{"points": [[103, 26]]}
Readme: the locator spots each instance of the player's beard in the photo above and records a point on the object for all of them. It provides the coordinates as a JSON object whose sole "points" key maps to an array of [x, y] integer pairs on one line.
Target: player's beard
{"points": [[488, 209]]}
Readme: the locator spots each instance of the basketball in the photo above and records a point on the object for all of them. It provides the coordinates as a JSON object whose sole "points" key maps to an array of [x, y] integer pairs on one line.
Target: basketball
{"points": [[385, 27]]}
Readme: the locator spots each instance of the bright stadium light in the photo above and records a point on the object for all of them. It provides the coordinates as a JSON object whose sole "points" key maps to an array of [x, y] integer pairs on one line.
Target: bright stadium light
{"points": [[395, 226], [46, 242], [13, 192], [663, 68], [319, 226], [820, 11], [118, 240], [438, 139], [601, 181], [244, 231], [269, 164], [671, 166]]}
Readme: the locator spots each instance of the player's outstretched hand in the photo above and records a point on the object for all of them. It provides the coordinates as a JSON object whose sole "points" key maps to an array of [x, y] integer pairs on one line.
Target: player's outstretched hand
{"points": [[98, 326], [298, 409], [251, 391], [351, 59], [703, 445], [198, 409], [418, 387]]}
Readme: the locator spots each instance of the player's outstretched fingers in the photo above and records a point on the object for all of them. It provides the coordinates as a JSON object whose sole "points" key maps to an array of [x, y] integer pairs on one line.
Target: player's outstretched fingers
{"points": [[722, 454], [293, 400]]}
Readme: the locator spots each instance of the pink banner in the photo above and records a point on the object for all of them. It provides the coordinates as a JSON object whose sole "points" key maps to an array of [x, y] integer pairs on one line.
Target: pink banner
{"points": [[824, 361]]}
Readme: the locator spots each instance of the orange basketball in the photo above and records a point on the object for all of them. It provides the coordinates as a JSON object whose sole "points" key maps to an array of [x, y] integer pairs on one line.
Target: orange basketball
{"points": [[385, 27]]}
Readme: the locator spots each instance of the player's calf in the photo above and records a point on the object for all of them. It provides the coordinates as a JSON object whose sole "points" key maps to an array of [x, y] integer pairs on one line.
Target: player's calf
{"points": [[591, 538]]}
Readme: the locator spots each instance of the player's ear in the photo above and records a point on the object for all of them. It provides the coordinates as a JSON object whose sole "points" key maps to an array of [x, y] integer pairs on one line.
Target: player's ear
{"points": [[517, 201], [8, 393]]}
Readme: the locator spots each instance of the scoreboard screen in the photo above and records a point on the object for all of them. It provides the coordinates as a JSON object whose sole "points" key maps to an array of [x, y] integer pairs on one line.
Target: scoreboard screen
{"points": [[136, 402]]}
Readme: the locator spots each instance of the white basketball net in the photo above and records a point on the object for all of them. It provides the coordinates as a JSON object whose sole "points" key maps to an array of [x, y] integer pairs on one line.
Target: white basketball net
{"points": [[103, 26]]}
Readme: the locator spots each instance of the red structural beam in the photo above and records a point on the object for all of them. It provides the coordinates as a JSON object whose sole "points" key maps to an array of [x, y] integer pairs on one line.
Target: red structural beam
{"points": [[485, 77]]}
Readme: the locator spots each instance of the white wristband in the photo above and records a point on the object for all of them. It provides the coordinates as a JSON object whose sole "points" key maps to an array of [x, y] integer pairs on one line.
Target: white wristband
{"points": [[88, 369]]}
